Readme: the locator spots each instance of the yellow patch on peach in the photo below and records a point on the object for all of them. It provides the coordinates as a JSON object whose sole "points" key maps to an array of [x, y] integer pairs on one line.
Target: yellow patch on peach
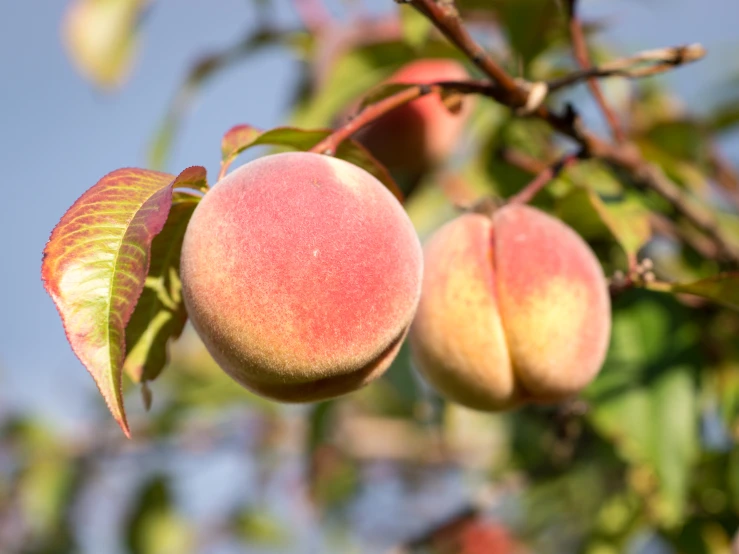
{"points": [[513, 308], [540, 333]]}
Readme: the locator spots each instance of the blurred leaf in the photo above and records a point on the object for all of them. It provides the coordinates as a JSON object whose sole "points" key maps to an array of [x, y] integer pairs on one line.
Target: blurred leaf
{"points": [[722, 288], [645, 401], [301, 139], [558, 510], [320, 424], [416, 27], [354, 73], [160, 313], [95, 265], [398, 393], [683, 139], [626, 219], [357, 71], [618, 518], [47, 486], [100, 36], [725, 117], [531, 26], [255, 527], [153, 526]]}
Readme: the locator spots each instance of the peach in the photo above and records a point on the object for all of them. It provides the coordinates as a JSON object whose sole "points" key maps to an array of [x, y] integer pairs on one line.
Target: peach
{"points": [[301, 273], [421, 134], [514, 308]]}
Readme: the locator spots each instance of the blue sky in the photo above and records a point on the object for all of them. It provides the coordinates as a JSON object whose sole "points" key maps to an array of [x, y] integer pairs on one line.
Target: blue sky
{"points": [[59, 136]]}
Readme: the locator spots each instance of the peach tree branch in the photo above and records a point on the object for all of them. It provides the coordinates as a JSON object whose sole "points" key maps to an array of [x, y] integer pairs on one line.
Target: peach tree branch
{"points": [[375, 110], [580, 49], [625, 157], [643, 64]]}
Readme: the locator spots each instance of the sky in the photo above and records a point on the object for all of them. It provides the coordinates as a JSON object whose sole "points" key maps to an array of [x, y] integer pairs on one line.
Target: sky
{"points": [[58, 136]]}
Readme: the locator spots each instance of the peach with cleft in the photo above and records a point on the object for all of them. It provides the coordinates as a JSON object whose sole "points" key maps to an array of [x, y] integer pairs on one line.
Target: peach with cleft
{"points": [[514, 308]]}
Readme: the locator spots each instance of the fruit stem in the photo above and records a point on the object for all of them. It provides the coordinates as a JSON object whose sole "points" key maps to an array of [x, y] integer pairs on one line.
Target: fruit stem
{"points": [[526, 194]]}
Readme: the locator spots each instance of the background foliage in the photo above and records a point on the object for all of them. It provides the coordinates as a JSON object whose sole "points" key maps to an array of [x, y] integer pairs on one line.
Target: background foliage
{"points": [[645, 461]]}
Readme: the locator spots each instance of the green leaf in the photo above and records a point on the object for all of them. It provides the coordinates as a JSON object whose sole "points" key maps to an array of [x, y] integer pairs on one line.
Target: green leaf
{"points": [[255, 527], [645, 400], [95, 265], [531, 26], [243, 137], [625, 219], [722, 288], [153, 526], [356, 71], [100, 36], [416, 27], [160, 313], [725, 117], [684, 139]]}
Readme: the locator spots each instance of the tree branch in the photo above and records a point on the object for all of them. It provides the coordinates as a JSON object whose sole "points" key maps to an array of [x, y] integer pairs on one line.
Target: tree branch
{"points": [[659, 223], [375, 110], [445, 16], [643, 64], [580, 50], [625, 157]]}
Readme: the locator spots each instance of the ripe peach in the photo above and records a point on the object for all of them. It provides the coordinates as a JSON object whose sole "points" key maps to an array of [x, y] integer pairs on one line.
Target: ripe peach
{"points": [[417, 136], [301, 273], [514, 308]]}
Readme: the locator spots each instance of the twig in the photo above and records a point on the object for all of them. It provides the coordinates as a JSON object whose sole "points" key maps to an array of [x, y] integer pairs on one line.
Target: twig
{"points": [[625, 157], [372, 112], [580, 50], [633, 67], [724, 173], [668, 228], [546, 175], [660, 224], [446, 18]]}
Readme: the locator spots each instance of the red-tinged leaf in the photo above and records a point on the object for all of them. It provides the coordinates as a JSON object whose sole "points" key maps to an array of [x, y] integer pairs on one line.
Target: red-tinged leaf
{"points": [[234, 142], [94, 268], [193, 177], [160, 314], [722, 288], [302, 139]]}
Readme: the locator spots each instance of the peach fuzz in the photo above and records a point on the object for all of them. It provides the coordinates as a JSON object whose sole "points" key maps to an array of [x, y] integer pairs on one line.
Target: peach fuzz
{"points": [[301, 273], [514, 308], [413, 138]]}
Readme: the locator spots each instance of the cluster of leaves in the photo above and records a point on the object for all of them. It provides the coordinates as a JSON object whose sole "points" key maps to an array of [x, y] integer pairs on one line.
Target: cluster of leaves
{"points": [[649, 453]]}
